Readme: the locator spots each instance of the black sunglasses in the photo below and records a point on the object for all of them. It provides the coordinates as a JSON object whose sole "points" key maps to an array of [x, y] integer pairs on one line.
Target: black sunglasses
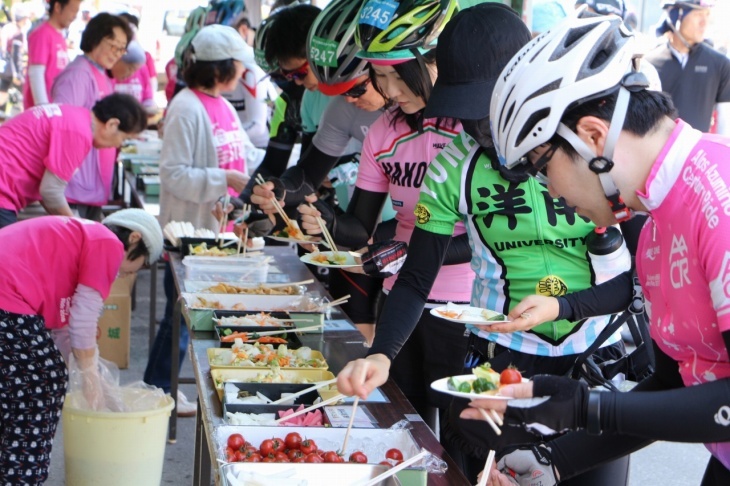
{"points": [[538, 170], [357, 90]]}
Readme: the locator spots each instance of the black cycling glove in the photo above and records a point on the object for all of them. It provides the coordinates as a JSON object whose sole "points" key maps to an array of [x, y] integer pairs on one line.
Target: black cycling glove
{"points": [[384, 259], [558, 404]]}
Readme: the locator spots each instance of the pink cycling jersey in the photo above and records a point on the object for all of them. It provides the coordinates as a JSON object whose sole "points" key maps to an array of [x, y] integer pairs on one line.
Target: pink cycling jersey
{"points": [[684, 256]]}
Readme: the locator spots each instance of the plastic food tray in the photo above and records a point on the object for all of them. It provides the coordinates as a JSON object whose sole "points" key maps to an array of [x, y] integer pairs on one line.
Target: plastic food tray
{"points": [[213, 353], [247, 375]]}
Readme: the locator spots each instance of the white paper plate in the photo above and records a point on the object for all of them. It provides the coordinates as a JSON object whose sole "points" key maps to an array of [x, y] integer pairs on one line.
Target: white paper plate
{"points": [[469, 315], [350, 261], [292, 240], [441, 386]]}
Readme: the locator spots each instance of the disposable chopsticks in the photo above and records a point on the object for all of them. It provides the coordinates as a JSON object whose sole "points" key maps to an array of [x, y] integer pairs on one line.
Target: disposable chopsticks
{"points": [[279, 209], [316, 386]]}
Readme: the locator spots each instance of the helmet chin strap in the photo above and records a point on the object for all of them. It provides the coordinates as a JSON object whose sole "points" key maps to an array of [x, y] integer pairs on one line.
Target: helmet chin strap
{"points": [[602, 165]]}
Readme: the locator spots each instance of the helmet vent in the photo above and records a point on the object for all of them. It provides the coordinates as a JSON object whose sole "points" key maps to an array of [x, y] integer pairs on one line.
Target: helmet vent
{"points": [[531, 125]]}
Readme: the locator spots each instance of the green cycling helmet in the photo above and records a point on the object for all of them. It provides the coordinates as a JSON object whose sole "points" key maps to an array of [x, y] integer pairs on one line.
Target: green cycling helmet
{"points": [[260, 44], [332, 52], [392, 31]]}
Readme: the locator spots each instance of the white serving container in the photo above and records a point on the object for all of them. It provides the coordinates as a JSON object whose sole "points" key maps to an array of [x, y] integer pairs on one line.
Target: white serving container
{"points": [[347, 474], [227, 269], [372, 442]]}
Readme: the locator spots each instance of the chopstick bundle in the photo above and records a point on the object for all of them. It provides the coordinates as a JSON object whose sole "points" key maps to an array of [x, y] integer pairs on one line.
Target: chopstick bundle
{"points": [[244, 240], [279, 209], [224, 221]]}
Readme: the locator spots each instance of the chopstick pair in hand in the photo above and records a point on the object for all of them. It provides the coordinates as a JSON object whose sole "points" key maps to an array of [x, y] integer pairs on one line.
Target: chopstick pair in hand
{"points": [[325, 234], [260, 180]]}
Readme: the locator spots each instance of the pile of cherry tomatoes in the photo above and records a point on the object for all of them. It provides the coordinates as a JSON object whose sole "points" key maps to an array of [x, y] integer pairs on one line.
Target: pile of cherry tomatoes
{"points": [[295, 449]]}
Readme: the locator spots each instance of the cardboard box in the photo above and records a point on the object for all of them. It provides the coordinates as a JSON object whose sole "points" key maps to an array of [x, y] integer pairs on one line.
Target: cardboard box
{"points": [[114, 326]]}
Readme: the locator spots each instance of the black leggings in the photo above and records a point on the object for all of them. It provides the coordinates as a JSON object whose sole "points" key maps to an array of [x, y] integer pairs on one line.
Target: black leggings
{"points": [[469, 441], [716, 474]]}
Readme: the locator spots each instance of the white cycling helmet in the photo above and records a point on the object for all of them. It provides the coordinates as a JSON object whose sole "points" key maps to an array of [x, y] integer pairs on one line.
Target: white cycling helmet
{"points": [[579, 60]]}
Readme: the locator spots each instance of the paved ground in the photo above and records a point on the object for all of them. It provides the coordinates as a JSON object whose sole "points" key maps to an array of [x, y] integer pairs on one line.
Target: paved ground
{"points": [[661, 464]]}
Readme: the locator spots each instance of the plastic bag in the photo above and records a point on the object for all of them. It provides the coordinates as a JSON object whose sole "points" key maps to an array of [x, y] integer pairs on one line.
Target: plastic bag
{"points": [[97, 387], [432, 463]]}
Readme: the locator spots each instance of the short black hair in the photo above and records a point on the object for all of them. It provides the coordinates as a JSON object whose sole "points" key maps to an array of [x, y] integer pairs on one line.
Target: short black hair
{"points": [[646, 110], [205, 74], [123, 234], [52, 3], [130, 112], [101, 27], [287, 37], [242, 20], [130, 18]]}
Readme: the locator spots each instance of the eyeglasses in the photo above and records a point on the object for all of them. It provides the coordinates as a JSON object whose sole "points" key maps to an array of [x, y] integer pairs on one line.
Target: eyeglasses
{"points": [[116, 49], [297, 74], [538, 170], [357, 90]]}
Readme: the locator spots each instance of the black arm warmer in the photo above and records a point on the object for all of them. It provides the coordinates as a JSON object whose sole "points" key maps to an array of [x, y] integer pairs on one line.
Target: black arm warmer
{"points": [[307, 140], [458, 251], [406, 300], [354, 228], [273, 165], [302, 179], [609, 297], [647, 415], [385, 230]]}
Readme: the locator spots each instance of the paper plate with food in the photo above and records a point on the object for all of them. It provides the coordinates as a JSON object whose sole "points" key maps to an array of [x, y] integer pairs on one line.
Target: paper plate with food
{"points": [[483, 383], [465, 314], [332, 259], [292, 234]]}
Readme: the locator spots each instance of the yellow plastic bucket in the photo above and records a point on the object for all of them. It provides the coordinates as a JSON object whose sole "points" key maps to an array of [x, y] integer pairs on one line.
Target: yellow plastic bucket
{"points": [[115, 449]]}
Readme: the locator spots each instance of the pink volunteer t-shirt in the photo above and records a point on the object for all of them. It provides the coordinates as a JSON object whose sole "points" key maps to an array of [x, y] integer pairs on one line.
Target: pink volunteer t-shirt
{"points": [[137, 85], [46, 47], [394, 160], [52, 255], [227, 133], [38, 140]]}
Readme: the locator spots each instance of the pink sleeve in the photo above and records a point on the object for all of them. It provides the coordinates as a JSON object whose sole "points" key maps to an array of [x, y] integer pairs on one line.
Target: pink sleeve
{"points": [[146, 86], [40, 49], [150, 65], [100, 264], [370, 175], [715, 259], [65, 158], [86, 307]]}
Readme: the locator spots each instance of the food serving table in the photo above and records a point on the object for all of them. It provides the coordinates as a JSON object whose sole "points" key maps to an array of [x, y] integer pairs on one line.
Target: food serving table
{"points": [[338, 347]]}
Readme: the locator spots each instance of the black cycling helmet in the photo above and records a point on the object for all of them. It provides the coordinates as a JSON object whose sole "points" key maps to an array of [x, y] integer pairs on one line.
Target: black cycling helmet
{"points": [[260, 44]]}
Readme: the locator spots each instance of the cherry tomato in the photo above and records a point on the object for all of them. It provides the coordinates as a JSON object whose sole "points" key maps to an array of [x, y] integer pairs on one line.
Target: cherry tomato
{"points": [[320, 453], [308, 446], [510, 376], [394, 454], [278, 444], [300, 459], [230, 455], [269, 458], [249, 448], [295, 453], [253, 457], [332, 456], [235, 441], [358, 457], [281, 457], [385, 463], [240, 456], [267, 447], [313, 457], [293, 440]]}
